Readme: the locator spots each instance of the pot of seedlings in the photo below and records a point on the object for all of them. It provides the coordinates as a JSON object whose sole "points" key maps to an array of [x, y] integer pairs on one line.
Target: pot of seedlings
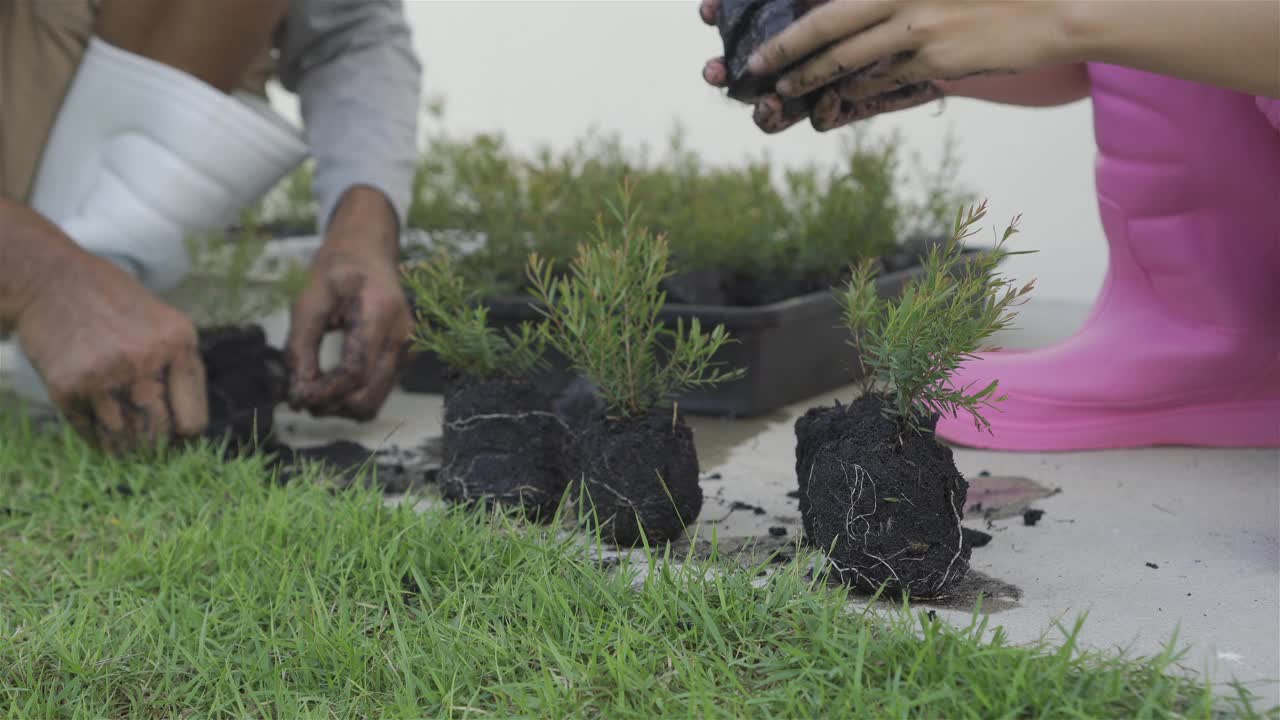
{"points": [[502, 443], [245, 376], [634, 465], [878, 493]]}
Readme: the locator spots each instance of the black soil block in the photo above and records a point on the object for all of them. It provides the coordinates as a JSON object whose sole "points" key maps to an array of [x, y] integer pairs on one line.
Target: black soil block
{"points": [[637, 477], [246, 379], [885, 506], [502, 446], [744, 26]]}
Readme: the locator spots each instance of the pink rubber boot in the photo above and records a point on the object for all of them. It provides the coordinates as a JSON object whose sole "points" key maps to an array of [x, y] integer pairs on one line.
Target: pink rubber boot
{"points": [[1183, 345]]}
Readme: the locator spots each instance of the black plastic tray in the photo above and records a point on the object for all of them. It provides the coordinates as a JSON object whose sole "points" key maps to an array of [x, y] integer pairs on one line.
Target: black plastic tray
{"points": [[792, 350]]}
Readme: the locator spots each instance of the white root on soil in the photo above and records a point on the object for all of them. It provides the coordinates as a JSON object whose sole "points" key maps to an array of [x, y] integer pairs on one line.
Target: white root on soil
{"points": [[465, 424], [858, 484]]}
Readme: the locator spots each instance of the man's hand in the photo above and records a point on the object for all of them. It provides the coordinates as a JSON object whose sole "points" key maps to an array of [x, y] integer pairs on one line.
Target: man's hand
{"points": [[121, 366], [354, 288]]}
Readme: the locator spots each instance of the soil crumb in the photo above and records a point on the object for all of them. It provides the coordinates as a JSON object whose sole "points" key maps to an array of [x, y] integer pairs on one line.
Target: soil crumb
{"points": [[1031, 516], [739, 505], [777, 531], [976, 538], [1154, 566]]}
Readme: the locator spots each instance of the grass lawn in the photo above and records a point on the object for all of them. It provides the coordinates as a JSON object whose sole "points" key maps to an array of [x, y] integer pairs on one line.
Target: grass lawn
{"points": [[191, 588]]}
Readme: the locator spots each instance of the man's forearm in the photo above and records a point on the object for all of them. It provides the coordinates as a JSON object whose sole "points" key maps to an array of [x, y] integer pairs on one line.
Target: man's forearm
{"points": [[30, 247], [1043, 87], [1227, 43]]}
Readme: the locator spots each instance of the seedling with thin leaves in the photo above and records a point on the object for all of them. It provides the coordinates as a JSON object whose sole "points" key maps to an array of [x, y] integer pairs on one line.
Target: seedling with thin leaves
{"points": [[877, 491], [502, 444], [224, 291], [454, 325], [604, 316], [635, 466], [913, 345]]}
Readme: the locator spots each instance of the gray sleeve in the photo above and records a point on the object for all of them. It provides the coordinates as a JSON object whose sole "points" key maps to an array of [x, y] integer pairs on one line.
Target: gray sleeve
{"points": [[352, 64]]}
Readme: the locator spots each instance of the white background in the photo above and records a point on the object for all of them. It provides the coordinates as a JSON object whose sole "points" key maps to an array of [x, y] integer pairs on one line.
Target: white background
{"points": [[546, 71]]}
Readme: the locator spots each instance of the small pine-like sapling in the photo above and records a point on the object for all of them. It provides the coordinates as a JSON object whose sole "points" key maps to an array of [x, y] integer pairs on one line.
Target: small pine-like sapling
{"points": [[636, 469], [502, 443], [877, 491]]}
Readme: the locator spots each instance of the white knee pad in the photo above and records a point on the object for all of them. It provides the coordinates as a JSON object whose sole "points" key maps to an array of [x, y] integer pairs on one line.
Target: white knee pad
{"points": [[142, 155]]}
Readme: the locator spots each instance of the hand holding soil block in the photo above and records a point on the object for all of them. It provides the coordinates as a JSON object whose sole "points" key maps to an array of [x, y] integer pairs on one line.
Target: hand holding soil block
{"points": [[634, 467], [502, 442], [744, 26], [878, 493]]}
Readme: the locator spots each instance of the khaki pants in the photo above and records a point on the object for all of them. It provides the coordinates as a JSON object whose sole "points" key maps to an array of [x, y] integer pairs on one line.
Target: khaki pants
{"points": [[41, 43]]}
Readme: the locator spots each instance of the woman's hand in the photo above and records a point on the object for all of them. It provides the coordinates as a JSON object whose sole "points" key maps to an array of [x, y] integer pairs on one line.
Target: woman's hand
{"points": [[769, 114], [872, 47], [835, 105]]}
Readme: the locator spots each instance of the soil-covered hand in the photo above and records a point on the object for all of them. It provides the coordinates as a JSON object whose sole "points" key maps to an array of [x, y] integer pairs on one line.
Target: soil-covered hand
{"points": [[769, 114], [354, 288], [121, 366], [839, 101], [899, 49]]}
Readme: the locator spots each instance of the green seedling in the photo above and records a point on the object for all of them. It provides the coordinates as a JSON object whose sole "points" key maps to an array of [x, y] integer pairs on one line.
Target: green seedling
{"points": [[604, 316], [455, 326], [913, 345], [224, 291]]}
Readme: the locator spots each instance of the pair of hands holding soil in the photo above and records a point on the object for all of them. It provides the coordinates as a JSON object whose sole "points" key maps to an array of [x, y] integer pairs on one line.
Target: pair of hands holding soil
{"points": [[852, 60], [123, 367]]}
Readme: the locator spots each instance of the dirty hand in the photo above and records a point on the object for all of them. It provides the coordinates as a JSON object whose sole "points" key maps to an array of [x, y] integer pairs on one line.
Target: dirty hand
{"points": [[354, 288], [121, 366], [898, 49], [768, 115], [833, 107]]}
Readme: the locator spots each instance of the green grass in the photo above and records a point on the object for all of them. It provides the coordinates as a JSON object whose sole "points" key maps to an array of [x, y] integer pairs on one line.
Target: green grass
{"points": [[211, 593]]}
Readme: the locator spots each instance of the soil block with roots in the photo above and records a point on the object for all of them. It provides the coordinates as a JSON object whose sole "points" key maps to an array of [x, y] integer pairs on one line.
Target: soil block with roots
{"points": [[884, 505], [245, 379], [637, 477], [744, 26], [502, 446]]}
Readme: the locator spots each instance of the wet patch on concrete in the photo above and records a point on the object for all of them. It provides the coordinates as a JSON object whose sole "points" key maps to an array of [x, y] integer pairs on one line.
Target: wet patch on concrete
{"points": [[994, 497], [978, 590]]}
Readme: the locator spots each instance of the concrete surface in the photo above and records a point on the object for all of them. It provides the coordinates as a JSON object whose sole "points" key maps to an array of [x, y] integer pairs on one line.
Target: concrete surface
{"points": [[1208, 520]]}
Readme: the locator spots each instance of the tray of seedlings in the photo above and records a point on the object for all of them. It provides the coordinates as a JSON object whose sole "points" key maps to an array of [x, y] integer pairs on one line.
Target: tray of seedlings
{"points": [[757, 254]]}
